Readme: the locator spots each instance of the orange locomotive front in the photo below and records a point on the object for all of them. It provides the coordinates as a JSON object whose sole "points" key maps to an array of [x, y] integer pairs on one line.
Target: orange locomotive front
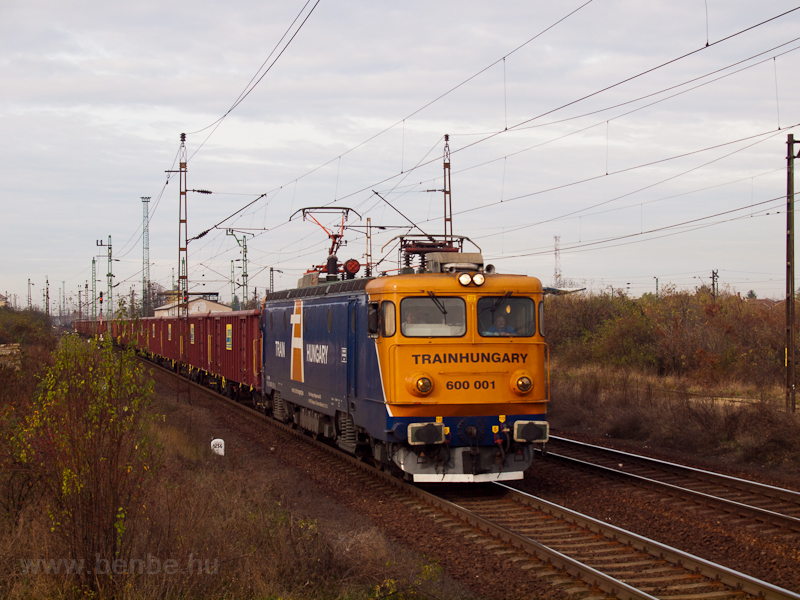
{"points": [[463, 366]]}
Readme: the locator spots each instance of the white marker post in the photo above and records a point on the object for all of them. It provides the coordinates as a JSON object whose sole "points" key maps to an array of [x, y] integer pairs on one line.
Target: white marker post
{"points": [[218, 446]]}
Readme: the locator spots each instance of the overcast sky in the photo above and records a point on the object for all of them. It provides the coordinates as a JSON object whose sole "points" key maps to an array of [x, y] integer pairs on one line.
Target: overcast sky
{"points": [[677, 171]]}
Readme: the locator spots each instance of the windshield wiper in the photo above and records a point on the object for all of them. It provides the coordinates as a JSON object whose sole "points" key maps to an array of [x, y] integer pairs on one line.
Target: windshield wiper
{"points": [[439, 304], [499, 301]]}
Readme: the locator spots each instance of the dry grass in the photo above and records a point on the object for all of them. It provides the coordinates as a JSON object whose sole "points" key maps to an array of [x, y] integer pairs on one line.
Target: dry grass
{"points": [[671, 414]]}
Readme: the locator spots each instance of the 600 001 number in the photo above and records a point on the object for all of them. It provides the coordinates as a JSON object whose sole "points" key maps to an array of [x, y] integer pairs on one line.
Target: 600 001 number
{"points": [[465, 385]]}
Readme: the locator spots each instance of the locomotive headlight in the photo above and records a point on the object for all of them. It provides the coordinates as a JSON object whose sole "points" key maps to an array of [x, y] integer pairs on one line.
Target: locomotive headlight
{"points": [[419, 383], [424, 385], [524, 384], [521, 382], [465, 279], [478, 279]]}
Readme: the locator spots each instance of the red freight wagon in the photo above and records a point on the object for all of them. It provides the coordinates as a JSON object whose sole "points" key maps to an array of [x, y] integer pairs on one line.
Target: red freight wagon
{"points": [[197, 348], [160, 338], [164, 338], [233, 349]]}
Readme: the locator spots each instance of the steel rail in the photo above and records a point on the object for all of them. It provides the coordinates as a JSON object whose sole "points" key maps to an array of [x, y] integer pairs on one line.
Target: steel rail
{"points": [[732, 506], [740, 484], [711, 570]]}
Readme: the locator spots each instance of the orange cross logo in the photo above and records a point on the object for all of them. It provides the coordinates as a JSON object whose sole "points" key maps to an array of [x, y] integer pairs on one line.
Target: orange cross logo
{"points": [[297, 366]]}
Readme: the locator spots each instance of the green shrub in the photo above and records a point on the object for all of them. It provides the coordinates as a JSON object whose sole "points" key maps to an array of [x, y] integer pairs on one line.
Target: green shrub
{"points": [[87, 442]]}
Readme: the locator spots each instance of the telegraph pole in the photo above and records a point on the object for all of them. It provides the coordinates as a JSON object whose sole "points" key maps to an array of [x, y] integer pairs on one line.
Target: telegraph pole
{"points": [[146, 256], [791, 401]]}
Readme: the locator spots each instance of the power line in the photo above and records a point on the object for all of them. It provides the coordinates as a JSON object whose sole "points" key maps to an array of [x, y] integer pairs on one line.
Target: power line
{"points": [[769, 135], [574, 248], [251, 86], [618, 208], [630, 112], [656, 93], [669, 62]]}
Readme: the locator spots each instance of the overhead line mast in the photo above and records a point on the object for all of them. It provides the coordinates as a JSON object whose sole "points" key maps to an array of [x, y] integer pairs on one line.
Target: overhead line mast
{"points": [[790, 360], [183, 391], [183, 236], [243, 244], [145, 257], [448, 201]]}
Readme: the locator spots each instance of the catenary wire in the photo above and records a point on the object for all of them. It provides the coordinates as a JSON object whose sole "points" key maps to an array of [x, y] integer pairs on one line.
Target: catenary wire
{"points": [[239, 101]]}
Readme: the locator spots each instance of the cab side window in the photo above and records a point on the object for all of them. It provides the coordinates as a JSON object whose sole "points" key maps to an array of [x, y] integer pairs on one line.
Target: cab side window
{"points": [[388, 319]]}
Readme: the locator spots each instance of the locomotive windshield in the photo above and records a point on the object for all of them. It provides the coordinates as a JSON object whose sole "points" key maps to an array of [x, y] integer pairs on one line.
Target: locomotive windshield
{"points": [[506, 316], [434, 316]]}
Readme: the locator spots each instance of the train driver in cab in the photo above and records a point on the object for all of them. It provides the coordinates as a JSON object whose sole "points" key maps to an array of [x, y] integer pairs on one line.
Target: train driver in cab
{"points": [[500, 327]]}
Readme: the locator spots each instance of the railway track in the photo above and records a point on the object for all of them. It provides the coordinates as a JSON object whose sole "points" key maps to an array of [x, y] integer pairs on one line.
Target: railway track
{"points": [[617, 561], [771, 509], [581, 556]]}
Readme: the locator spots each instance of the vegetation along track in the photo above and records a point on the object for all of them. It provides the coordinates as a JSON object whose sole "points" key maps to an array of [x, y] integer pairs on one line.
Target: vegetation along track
{"points": [[579, 555], [770, 508]]}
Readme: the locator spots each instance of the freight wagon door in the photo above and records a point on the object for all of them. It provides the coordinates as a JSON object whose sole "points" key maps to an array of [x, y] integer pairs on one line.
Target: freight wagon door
{"points": [[352, 357], [217, 345], [243, 348]]}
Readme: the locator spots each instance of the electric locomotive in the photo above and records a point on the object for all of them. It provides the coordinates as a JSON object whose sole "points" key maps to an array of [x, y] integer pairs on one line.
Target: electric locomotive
{"points": [[439, 373]]}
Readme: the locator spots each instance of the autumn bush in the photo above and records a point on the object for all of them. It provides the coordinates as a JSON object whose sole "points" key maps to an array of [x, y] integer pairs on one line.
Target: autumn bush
{"points": [[29, 327], [18, 388], [668, 371], [685, 333], [83, 443]]}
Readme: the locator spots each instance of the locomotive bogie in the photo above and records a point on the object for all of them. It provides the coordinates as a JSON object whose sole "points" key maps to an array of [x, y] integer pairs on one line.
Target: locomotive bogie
{"points": [[463, 464]]}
